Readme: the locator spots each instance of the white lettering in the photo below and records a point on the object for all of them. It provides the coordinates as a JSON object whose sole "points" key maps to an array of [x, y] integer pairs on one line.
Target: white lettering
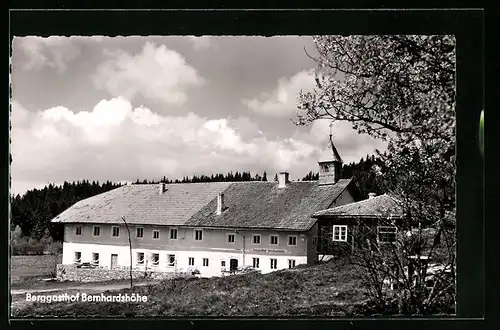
{"points": [[124, 298]]}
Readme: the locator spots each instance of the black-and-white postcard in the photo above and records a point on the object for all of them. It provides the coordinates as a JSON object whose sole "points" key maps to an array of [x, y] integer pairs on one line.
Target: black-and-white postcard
{"points": [[213, 175]]}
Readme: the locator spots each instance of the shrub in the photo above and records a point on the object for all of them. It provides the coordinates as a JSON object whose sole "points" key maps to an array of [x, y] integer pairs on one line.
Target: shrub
{"points": [[30, 246], [35, 247], [54, 248], [20, 246]]}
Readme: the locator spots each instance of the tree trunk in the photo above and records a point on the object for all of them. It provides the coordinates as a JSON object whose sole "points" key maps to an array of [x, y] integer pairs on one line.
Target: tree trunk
{"points": [[130, 249]]}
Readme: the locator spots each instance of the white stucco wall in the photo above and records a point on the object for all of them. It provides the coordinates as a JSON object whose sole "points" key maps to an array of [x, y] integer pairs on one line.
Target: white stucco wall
{"points": [[182, 258]]}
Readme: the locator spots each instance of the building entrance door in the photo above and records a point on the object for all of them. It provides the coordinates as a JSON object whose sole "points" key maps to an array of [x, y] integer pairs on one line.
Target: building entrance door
{"points": [[233, 265], [114, 261]]}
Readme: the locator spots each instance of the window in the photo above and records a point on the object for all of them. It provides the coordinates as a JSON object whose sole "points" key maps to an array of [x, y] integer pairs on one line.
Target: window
{"points": [[340, 233], [140, 258], [191, 261], [256, 239], [95, 258], [78, 230], [291, 263], [230, 238], [77, 257], [223, 263], [171, 260], [273, 240], [155, 259], [115, 231], [198, 235], [274, 263], [139, 232], [173, 233], [156, 234], [292, 240], [387, 234], [205, 262], [326, 168], [255, 262], [97, 231]]}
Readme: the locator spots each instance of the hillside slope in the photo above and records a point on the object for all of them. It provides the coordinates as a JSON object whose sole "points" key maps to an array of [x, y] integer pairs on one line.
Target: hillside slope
{"points": [[329, 289]]}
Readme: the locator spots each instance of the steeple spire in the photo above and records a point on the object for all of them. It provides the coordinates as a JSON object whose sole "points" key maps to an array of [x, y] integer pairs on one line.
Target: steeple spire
{"points": [[330, 163], [330, 153]]}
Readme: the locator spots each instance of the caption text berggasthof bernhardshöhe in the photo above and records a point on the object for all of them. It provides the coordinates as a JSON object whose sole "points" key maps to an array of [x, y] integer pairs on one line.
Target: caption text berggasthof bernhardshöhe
{"points": [[85, 297]]}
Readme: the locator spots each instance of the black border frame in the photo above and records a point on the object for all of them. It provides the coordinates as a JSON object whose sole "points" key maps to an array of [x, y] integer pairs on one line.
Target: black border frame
{"points": [[466, 25]]}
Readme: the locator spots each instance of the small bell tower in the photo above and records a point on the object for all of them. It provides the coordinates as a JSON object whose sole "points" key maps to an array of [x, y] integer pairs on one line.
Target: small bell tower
{"points": [[330, 164]]}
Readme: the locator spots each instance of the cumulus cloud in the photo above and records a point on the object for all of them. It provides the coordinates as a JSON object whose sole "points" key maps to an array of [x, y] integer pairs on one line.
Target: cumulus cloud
{"points": [[282, 101], [117, 141], [157, 73], [54, 51]]}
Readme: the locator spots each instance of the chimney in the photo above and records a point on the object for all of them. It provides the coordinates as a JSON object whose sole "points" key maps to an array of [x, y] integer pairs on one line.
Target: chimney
{"points": [[162, 188], [220, 203], [282, 179], [371, 195]]}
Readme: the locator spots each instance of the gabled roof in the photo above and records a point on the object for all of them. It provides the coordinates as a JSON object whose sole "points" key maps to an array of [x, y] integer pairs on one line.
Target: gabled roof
{"points": [[263, 205], [378, 206], [142, 204], [247, 205]]}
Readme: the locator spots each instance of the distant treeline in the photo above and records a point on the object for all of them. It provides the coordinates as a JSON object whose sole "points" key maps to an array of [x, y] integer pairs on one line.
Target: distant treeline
{"points": [[219, 177], [33, 211]]}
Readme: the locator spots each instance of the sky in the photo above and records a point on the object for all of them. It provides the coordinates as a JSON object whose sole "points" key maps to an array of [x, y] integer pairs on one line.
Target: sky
{"points": [[122, 108]]}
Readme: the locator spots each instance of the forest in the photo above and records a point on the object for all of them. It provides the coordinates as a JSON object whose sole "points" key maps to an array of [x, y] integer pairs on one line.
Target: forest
{"points": [[31, 213]]}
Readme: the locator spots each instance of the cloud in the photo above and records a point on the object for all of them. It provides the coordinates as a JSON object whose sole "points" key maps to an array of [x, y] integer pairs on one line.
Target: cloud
{"points": [[120, 142], [282, 101], [157, 73], [117, 141], [19, 115], [54, 51], [200, 43]]}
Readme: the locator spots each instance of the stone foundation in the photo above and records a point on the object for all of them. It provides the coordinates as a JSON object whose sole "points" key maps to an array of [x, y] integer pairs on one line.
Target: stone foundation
{"points": [[98, 274]]}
